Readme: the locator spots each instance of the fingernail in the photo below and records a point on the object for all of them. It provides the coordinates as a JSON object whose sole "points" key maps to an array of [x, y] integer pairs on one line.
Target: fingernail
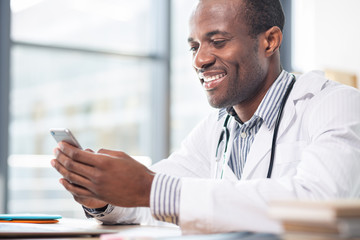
{"points": [[52, 162]]}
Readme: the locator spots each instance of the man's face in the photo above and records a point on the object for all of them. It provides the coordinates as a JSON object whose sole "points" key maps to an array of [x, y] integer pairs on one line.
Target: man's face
{"points": [[225, 57]]}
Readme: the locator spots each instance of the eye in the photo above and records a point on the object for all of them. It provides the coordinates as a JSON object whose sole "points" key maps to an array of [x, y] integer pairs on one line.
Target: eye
{"points": [[193, 48], [218, 43]]}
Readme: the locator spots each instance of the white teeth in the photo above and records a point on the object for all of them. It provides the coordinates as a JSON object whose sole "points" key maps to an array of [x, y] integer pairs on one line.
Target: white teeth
{"points": [[212, 78]]}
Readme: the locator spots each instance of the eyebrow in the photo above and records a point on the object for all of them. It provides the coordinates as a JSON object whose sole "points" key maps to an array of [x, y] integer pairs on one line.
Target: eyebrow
{"points": [[212, 33]]}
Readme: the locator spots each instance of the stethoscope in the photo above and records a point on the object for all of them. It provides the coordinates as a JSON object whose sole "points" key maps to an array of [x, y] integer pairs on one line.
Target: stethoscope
{"points": [[225, 135]]}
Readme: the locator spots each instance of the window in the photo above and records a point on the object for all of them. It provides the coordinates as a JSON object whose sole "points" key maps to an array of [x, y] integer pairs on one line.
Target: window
{"points": [[325, 35], [91, 66], [102, 69], [189, 103]]}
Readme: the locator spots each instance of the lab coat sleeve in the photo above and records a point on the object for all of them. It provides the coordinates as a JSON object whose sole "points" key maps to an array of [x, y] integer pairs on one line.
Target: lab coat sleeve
{"points": [[328, 168], [193, 158], [121, 215]]}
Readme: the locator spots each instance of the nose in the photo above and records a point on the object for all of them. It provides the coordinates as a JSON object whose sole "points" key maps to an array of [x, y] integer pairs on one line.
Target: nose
{"points": [[203, 58]]}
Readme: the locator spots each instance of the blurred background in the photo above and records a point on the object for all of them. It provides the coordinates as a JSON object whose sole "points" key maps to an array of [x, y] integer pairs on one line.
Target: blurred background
{"points": [[118, 74]]}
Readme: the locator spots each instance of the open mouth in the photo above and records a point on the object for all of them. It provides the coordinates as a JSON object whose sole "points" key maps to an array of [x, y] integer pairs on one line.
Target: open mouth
{"points": [[211, 81], [213, 78]]}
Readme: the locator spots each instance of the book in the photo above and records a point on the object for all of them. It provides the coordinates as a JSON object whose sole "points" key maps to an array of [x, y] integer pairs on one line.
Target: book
{"points": [[29, 218], [343, 228], [315, 211], [29, 221], [336, 219]]}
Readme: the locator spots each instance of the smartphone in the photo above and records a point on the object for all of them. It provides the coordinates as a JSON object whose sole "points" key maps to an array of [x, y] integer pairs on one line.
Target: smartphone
{"points": [[64, 134]]}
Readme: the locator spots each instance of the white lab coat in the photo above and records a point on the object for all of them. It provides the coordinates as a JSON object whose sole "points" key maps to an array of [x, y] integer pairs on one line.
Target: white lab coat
{"points": [[317, 157]]}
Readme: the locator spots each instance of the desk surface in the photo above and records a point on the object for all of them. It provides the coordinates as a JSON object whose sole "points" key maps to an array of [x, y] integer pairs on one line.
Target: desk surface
{"points": [[82, 229]]}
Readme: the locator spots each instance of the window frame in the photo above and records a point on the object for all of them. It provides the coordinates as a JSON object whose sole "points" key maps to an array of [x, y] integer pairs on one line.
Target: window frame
{"points": [[160, 85], [5, 44]]}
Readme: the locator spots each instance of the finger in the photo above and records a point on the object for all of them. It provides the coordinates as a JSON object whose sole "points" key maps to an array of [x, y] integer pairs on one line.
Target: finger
{"points": [[71, 176], [113, 153], [75, 190], [74, 166], [89, 150], [79, 155]]}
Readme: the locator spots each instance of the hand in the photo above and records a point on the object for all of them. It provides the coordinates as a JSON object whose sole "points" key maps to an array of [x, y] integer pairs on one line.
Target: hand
{"points": [[85, 201], [107, 177]]}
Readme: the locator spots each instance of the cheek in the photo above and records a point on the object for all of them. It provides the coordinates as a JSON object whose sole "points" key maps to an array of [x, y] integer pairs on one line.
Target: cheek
{"points": [[261, 60], [240, 60]]}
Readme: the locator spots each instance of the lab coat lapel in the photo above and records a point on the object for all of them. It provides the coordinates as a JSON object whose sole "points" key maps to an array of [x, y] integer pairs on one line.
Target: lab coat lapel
{"points": [[263, 141], [288, 116], [229, 174], [259, 148]]}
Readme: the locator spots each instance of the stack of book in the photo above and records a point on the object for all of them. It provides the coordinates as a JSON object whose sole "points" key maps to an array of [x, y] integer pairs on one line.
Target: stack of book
{"points": [[29, 218], [338, 219]]}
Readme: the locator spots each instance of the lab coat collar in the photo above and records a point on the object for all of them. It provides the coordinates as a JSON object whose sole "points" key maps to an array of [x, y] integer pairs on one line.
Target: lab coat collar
{"points": [[308, 84], [222, 113]]}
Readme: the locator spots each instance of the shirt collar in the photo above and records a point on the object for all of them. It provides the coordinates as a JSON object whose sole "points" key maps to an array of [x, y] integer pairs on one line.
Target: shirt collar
{"points": [[270, 104]]}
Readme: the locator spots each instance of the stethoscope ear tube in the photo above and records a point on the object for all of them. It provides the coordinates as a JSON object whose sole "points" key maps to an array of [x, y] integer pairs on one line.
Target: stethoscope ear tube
{"points": [[220, 139], [224, 135]]}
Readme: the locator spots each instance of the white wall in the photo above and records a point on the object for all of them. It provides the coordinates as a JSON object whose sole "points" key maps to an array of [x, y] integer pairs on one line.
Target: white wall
{"points": [[326, 35]]}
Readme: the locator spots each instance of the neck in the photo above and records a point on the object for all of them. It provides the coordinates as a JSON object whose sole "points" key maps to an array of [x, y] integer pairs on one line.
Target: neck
{"points": [[246, 110]]}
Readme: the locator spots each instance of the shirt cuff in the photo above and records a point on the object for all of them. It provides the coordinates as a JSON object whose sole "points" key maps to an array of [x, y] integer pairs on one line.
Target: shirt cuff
{"points": [[98, 212], [165, 198]]}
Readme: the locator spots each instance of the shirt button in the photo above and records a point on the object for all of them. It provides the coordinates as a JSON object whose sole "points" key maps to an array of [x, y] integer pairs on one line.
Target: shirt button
{"points": [[243, 135]]}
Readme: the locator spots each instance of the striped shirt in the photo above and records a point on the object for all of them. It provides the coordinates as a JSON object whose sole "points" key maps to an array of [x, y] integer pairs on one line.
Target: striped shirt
{"points": [[165, 191]]}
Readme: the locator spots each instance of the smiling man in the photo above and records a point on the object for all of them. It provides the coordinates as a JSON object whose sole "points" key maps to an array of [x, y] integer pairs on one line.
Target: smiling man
{"points": [[274, 136], [235, 62]]}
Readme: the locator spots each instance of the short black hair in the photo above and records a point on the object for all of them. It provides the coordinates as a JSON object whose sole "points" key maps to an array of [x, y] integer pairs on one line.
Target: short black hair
{"points": [[260, 15]]}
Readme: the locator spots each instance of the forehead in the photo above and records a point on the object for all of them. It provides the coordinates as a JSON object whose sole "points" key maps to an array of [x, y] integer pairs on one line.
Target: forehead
{"points": [[211, 15]]}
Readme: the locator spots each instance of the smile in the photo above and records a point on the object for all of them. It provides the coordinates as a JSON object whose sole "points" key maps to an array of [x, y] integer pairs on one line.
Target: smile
{"points": [[211, 81], [212, 78]]}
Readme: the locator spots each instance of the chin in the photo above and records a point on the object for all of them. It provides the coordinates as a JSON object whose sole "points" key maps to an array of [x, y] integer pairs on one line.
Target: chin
{"points": [[216, 104]]}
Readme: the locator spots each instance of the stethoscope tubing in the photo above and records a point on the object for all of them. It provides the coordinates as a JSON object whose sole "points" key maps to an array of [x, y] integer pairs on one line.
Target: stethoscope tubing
{"points": [[277, 124]]}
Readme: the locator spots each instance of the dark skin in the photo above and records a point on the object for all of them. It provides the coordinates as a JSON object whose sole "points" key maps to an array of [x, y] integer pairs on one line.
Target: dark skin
{"points": [[238, 70], [220, 46], [104, 177]]}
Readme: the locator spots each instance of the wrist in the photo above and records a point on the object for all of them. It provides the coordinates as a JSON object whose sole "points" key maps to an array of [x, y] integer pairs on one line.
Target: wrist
{"points": [[95, 210], [148, 185], [97, 207]]}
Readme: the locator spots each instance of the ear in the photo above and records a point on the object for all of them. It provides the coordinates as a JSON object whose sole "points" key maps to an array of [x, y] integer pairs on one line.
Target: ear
{"points": [[272, 40]]}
